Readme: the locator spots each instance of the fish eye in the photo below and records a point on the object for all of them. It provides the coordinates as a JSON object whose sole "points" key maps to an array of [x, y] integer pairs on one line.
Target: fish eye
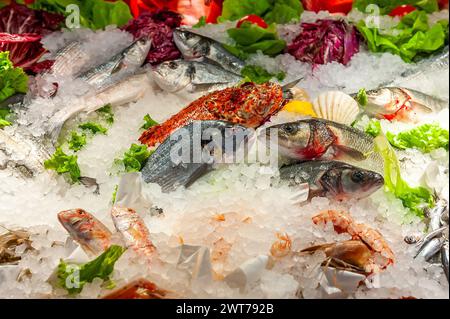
{"points": [[290, 128], [172, 65], [358, 177]]}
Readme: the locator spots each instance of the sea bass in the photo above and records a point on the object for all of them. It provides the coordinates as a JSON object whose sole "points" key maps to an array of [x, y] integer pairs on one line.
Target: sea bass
{"points": [[171, 172], [173, 76], [69, 60], [249, 105], [322, 139], [126, 62], [133, 230], [195, 47], [401, 103], [85, 229], [333, 179]]}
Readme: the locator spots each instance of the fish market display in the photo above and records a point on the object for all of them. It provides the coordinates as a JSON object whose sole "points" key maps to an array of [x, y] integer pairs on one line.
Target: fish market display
{"points": [[264, 152]]}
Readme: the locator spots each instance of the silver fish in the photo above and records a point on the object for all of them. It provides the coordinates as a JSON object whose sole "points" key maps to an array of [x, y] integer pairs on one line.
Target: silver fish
{"points": [[436, 213], [430, 249], [126, 62], [69, 60], [322, 139], [195, 47], [444, 258], [333, 179], [197, 142], [173, 76]]}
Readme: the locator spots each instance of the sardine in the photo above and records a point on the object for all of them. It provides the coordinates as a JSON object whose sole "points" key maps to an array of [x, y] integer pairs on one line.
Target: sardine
{"points": [[435, 214], [322, 139], [195, 47], [173, 76], [444, 258], [430, 249], [126, 62], [333, 179], [249, 104], [86, 230], [133, 230], [197, 142]]}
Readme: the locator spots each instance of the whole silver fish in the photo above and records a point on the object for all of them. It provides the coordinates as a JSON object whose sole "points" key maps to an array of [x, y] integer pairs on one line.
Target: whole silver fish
{"points": [[133, 230], [195, 47], [436, 213], [333, 179], [444, 258], [430, 249], [127, 61], [197, 141], [85, 229], [69, 60], [173, 76], [322, 139]]}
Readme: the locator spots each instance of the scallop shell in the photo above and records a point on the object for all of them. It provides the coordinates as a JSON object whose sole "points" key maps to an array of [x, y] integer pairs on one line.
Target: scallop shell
{"points": [[337, 107]]}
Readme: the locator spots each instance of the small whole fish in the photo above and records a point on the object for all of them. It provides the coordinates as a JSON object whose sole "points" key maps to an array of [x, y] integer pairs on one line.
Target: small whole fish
{"points": [[128, 61], [173, 76], [322, 139], [401, 103], [249, 104], [86, 230], [444, 258], [133, 230], [171, 172], [195, 47], [333, 179]]}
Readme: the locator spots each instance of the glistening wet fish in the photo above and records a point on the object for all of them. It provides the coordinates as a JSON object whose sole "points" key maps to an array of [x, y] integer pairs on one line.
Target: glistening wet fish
{"points": [[85, 229], [444, 258], [195, 47], [401, 103], [69, 60], [249, 104], [170, 169], [333, 179], [173, 76], [322, 139], [133, 230], [126, 62]]}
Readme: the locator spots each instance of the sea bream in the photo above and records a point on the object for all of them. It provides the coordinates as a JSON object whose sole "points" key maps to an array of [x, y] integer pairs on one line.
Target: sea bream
{"points": [[312, 139], [401, 103], [174, 76], [195, 47], [333, 179], [86, 230], [249, 105], [170, 173], [134, 232]]}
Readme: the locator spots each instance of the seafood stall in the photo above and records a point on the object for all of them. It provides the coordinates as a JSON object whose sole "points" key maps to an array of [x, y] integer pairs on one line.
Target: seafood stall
{"points": [[275, 149]]}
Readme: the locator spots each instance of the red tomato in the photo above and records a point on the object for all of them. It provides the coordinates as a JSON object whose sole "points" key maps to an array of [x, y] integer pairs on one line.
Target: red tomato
{"points": [[333, 6], [400, 11], [253, 18]]}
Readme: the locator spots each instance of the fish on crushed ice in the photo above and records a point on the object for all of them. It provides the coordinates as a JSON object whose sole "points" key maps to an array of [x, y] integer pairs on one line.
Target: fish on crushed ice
{"points": [[139, 289], [172, 172], [333, 179], [249, 104], [173, 76], [85, 229]]}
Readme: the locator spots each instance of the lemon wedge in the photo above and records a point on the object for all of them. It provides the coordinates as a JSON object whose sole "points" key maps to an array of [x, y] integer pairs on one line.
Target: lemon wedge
{"points": [[301, 107]]}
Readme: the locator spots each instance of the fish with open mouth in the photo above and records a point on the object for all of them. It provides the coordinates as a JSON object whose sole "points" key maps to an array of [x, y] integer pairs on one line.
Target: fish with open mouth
{"points": [[333, 179], [401, 103], [313, 139], [173, 76], [249, 104], [86, 230], [171, 170], [195, 47]]}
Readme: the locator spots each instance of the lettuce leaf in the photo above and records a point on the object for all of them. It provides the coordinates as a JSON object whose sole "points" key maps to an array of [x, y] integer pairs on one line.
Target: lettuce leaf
{"points": [[93, 127], [149, 122], [64, 163], [386, 6], [77, 141], [73, 277], [12, 80], [257, 74], [4, 114], [135, 157], [374, 128]]}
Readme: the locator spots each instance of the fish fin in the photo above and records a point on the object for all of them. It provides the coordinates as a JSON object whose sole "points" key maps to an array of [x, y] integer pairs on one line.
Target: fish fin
{"points": [[291, 84], [420, 106], [347, 152], [313, 249]]}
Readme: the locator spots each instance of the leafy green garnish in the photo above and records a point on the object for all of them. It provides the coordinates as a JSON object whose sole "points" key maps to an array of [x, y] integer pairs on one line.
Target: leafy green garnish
{"points": [[107, 113], [114, 194], [386, 6], [414, 198], [361, 97], [93, 127], [272, 11], [412, 39], [257, 74], [135, 157], [149, 122], [374, 128], [94, 14], [201, 22], [77, 141], [63, 163], [4, 113], [425, 138], [73, 277], [12, 80]]}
